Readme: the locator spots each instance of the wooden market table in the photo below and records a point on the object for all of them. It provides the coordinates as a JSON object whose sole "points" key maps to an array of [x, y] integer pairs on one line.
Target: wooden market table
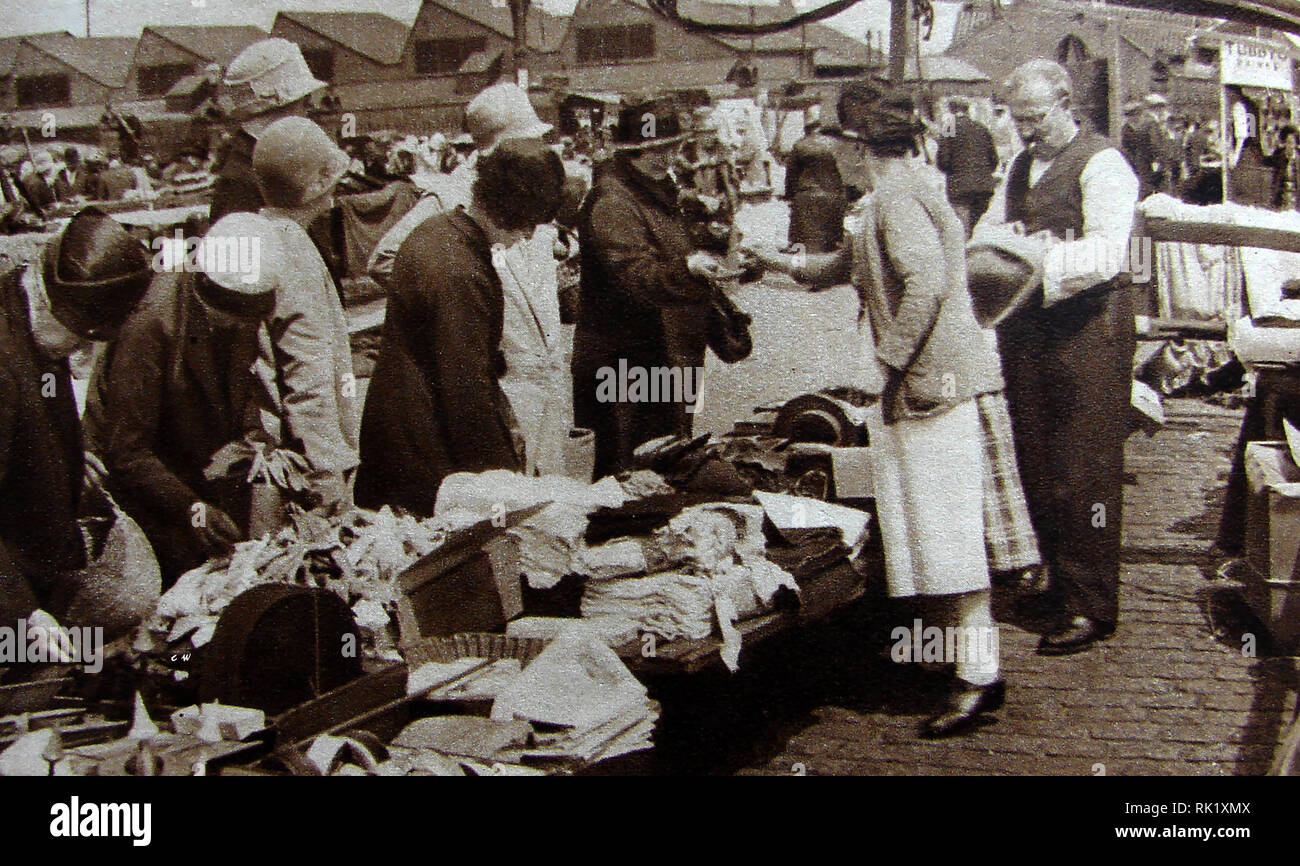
{"points": [[820, 596]]}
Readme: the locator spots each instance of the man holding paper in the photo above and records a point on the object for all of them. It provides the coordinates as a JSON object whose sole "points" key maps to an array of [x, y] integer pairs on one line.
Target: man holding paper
{"points": [[1067, 354]]}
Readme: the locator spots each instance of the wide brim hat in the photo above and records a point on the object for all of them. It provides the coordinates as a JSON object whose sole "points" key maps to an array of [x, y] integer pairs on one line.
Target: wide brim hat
{"points": [[94, 274], [1003, 274]]}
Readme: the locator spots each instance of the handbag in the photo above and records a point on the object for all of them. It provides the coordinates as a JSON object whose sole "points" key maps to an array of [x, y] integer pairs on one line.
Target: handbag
{"points": [[727, 329]]}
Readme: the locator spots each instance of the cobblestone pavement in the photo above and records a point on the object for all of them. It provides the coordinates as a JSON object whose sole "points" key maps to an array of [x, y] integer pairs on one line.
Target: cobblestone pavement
{"points": [[1171, 693]]}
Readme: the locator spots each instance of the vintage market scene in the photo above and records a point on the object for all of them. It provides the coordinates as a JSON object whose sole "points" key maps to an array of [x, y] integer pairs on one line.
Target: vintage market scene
{"points": [[650, 387]]}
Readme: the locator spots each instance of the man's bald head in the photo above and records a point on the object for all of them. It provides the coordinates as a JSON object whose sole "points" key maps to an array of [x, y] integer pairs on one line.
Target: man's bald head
{"points": [[1039, 94], [1039, 78]]}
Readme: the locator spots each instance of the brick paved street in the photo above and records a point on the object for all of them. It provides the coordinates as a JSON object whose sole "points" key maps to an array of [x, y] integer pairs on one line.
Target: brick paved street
{"points": [[1170, 694]]}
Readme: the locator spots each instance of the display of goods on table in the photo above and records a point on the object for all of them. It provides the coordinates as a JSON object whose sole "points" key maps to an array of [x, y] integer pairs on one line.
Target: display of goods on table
{"points": [[540, 689], [357, 557]]}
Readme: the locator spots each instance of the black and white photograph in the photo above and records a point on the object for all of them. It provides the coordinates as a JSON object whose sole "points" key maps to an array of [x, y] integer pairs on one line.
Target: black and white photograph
{"points": [[651, 388]]}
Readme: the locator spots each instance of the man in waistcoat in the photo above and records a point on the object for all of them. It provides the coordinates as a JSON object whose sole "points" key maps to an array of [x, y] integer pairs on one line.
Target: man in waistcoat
{"points": [[1067, 355]]}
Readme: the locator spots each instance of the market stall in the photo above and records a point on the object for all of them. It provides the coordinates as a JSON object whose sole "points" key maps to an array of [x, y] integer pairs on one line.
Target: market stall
{"points": [[511, 632], [1267, 343]]}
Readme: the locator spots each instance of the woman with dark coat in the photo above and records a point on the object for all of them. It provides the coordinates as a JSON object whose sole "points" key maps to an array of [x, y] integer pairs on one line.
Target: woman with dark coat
{"points": [[644, 290], [435, 404]]}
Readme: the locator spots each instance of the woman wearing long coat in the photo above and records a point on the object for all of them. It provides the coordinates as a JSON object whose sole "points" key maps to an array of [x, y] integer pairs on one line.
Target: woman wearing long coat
{"points": [[435, 404], [642, 306]]}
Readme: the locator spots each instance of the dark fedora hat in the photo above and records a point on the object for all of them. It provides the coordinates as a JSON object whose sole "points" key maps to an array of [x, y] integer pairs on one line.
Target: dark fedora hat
{"points": [[649, 123], [94, 273], [1003, 274]]}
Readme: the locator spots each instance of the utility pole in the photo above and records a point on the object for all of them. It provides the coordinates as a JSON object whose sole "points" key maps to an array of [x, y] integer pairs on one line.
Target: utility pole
{"points": [[519, 46], [87, 19], [900, 39]]}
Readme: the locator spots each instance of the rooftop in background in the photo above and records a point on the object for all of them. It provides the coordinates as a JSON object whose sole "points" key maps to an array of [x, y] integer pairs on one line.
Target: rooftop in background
{"points": [[105, 59], [545, 30], [218, 44], [812, 36], [9, 50], [370, 34]]}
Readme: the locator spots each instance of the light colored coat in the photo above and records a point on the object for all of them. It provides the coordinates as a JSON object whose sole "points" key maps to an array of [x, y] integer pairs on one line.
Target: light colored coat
{"points": [[306, 344]]}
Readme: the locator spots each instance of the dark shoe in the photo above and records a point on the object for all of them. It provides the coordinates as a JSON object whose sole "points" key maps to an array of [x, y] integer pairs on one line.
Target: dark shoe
{"points": [[1035, 596], [1075, 636], [1031, 582], [965, 704]]}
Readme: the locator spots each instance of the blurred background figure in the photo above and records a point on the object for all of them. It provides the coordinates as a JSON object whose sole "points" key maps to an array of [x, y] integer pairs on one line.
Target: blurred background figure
{"points": [[968, 157], [815, 191]]}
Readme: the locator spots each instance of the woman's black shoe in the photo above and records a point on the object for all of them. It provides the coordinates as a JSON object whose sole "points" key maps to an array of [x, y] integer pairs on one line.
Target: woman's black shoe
{"points": [[965, 704]]}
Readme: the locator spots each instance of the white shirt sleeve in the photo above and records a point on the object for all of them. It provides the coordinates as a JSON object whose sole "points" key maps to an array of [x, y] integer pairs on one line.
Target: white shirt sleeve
{"points": [[1110, 195]]}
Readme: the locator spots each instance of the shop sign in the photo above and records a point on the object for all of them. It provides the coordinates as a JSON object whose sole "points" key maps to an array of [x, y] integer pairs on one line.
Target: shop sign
{"points": [[1254, 66]]}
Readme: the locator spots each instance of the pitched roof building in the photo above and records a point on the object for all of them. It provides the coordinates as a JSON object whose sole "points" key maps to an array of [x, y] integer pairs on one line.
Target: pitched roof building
{"points": [[58, 69], [344, 47], [623, 45], [811, 50], [165, 55], [1114, 53]]}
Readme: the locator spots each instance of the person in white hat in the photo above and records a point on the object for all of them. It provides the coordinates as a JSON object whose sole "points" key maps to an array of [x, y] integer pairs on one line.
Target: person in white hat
{"points": [[176, 386], [536, 347], [269, 80], [499, 112], [297, 167]]}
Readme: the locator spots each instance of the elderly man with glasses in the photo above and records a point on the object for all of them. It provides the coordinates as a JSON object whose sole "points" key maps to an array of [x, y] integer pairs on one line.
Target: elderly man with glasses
{"points": [[1067, 354]]}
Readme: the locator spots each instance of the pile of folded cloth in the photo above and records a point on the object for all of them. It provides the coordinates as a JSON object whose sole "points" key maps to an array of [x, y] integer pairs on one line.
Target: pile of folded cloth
{"points": [[549, 539], [706, 567]]}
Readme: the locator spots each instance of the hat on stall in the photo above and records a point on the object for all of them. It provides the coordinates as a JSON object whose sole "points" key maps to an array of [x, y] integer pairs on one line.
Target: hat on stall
{"points": [[225, 283], [296, 162], [94, 274], [654, 123], [502, 111], [1003, 273]]}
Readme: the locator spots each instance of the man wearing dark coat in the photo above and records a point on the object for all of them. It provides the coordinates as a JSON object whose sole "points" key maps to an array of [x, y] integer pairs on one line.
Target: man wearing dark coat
{"points": [[644, 295], [968, 158], [87, 281], [435, 404], [816, 193]]}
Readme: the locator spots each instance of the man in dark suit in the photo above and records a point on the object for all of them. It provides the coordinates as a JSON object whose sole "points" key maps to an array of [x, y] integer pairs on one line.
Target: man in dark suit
{"points": [[87, 282], [968, 157]]}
